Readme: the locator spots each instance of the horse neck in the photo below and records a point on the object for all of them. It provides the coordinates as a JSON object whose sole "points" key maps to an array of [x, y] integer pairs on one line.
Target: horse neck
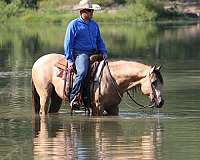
{"points": [[128, 74]]}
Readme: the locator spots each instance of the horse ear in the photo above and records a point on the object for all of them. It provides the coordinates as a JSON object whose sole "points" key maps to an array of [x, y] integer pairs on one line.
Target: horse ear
{"points": [[158, 68], [152, 69]]}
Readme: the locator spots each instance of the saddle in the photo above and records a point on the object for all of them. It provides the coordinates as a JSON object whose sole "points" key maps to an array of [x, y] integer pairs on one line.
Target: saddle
{"points": [[67, 76]]}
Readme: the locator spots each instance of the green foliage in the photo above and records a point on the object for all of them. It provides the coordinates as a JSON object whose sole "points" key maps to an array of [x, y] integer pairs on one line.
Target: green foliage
{"points": [[13, 8], [2, 15], [131, 13], [9, 10], [59, 11]]}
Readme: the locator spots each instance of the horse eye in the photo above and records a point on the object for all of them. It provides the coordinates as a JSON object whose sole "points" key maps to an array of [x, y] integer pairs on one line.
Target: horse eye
{"points": [[154, 82]]}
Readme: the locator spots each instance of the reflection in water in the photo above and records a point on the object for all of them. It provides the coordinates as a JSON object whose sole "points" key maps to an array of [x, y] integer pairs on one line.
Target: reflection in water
{"points": [[94, 138], [15, 138], [159, 41], [50, 142]]}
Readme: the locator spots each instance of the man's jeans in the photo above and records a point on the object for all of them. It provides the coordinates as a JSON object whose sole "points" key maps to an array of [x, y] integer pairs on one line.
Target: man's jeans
{"points": [[81, 63]]}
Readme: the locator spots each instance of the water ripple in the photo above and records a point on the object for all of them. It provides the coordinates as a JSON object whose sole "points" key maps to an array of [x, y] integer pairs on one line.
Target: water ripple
{"points": [[17, 74]]}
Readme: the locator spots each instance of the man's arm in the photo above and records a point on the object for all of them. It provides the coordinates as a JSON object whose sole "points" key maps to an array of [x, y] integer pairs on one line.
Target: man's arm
{"points": [[69, 42], [100, 44]]}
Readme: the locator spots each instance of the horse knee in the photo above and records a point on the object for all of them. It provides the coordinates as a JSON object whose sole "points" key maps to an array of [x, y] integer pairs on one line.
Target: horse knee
{"points": [[44, 102]]}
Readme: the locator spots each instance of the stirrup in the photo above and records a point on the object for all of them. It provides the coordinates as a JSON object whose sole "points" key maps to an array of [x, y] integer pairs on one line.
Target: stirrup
{"points": [[74, 104]]}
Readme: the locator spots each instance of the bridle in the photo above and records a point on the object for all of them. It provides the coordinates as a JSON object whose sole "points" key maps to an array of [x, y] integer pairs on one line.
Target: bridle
{"points": [[131, 97]]}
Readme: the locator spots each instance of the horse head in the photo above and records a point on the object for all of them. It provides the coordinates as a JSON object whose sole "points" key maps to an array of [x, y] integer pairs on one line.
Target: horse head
{"points": [[151, 85]]}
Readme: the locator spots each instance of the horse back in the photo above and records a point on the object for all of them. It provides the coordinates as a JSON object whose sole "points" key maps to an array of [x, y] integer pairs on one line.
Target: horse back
{"points": [[48, 60]]}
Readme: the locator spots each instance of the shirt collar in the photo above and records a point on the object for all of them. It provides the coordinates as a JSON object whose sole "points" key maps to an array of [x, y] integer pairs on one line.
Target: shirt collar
{"points": [[81, 19]]}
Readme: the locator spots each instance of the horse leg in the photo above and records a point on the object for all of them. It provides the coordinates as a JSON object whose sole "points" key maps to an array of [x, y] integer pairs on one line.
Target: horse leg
{"points": [[56, 102], [44, 102], [40, 98], [44, 99], [97, 110], [35, 100], [112, 110]]}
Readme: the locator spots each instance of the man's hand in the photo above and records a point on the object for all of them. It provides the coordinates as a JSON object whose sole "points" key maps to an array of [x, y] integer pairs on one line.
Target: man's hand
{"points": [[70, 66], [105, 56]]}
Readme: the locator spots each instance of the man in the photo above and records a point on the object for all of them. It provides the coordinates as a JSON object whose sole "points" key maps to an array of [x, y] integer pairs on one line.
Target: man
{"points": [[81, 40]]}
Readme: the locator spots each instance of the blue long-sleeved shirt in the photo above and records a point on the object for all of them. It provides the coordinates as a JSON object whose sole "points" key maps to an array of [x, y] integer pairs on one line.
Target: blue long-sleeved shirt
{"points": [[82, 37]]}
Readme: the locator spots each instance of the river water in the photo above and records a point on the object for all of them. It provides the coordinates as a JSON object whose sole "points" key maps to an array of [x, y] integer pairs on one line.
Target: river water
{"points": [[173, 132]]}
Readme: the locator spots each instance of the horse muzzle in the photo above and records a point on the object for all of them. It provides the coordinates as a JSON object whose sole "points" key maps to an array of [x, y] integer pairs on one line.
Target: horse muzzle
{"points": [[159, 103]]}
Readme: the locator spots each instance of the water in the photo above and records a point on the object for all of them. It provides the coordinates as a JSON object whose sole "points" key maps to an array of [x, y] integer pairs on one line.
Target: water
{"points": [[169, 133]]}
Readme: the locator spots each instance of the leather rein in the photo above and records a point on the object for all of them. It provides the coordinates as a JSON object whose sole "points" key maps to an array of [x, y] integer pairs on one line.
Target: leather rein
{"points": [[121, 95]]}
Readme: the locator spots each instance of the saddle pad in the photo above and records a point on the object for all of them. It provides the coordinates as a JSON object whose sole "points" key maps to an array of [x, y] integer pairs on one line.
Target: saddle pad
{"points": [[99, 70]]}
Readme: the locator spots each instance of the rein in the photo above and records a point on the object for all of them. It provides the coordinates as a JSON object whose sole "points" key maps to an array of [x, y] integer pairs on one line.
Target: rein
{"points": [[120, 95], [143, 106]]}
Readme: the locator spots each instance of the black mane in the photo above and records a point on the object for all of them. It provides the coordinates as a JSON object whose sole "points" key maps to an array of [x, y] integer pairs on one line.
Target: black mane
{"points": [[159, 76]]}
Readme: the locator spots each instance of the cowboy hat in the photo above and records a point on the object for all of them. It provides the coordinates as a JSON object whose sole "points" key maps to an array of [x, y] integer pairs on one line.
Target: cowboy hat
{"points": [[86, 4]]}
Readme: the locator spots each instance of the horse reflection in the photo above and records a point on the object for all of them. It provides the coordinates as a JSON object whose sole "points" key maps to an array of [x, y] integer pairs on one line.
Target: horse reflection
{"points": [[96, 138], [117, 78], [49, 142]]}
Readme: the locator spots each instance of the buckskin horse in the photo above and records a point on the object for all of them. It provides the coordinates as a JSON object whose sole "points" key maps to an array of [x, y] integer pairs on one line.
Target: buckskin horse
{"points": [[117, 77]]}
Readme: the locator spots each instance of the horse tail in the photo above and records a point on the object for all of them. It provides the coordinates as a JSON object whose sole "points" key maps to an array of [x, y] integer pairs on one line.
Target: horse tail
{"points": [[35, 99], [56, 101]]}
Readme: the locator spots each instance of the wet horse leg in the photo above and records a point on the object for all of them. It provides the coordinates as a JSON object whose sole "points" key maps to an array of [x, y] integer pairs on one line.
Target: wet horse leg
{"points": [[44, 99], [56, 102], [97, 102], [44, 102], [97, 109]]}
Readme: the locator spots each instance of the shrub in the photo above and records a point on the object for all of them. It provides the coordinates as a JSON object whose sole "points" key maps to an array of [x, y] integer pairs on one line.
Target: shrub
{"points": [[8, 10], [13, 8]]}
